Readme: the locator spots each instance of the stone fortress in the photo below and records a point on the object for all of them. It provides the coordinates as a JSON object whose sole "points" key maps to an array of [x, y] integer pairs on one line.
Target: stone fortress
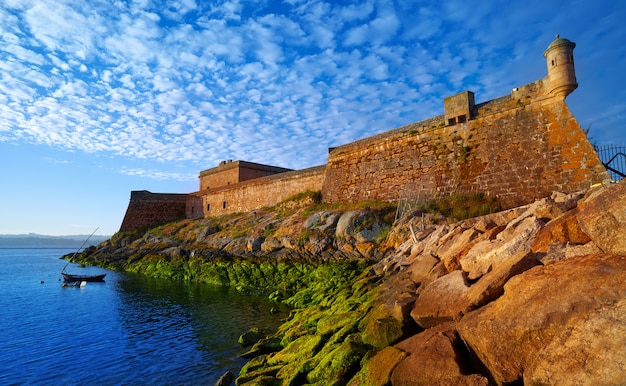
{"points": [[517, 148]]}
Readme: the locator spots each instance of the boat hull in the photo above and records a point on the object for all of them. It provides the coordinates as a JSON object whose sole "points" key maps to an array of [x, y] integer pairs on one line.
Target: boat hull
{"points": [[90, 278]]}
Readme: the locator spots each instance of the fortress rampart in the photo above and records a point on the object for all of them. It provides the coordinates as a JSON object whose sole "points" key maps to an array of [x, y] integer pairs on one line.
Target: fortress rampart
{"points": [[516, 148], [260, 192], [148, 209]]}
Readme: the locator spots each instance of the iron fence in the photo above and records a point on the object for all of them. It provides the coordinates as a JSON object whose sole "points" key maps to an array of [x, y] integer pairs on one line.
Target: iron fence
{"points": [[614, 159]]}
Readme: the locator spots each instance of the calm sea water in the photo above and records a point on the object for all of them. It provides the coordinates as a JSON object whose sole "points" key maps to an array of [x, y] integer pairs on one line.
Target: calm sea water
{"points": [[128, 330]]}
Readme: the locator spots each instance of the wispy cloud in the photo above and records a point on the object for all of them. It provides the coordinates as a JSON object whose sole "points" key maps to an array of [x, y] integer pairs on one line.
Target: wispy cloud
{"points": [[196, 83], [158, 174], [51, 160]]}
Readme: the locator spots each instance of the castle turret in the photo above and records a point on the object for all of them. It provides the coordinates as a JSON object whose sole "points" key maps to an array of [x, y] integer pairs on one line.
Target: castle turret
{"points": [[560, 60]]}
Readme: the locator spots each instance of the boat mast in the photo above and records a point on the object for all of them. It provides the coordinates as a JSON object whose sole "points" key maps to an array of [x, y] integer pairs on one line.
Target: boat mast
{"points": [[82, 245]]}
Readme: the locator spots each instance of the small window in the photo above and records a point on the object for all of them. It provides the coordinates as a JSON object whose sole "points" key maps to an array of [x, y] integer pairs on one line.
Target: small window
{"points": [[224, 205], [451, 121], [553, 62], [193, 209], [462, 119], [208, 207]]}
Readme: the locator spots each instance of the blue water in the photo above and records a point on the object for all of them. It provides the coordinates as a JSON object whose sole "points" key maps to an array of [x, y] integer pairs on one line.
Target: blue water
{"points": [[129, 330]]}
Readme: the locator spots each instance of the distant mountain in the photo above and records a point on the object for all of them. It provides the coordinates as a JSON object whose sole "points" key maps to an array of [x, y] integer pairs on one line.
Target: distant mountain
{"points": [[44, 241]]}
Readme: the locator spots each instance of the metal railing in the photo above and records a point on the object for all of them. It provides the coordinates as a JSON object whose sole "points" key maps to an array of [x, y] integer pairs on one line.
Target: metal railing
{"points": [[614, 159]]}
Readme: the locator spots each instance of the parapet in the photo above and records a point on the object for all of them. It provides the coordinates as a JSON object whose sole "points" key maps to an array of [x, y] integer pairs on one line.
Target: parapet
{"points": [[458, 108]]}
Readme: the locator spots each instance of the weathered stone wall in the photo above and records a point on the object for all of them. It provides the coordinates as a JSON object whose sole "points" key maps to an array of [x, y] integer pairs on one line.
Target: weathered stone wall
{"points": [[232, 172], [518, 148], [224, 177], [261, 192], [147, 209], [193, 206]]}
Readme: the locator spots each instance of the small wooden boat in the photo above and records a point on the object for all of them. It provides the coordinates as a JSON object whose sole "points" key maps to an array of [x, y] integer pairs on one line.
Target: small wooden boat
{"points": [[89, 278], [70, 278]]}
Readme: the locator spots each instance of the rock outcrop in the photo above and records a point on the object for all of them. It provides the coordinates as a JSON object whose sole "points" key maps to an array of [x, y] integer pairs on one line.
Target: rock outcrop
{"points": [[531, 295]]}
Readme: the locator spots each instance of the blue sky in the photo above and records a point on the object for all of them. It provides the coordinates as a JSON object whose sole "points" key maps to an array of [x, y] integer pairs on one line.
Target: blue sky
{"points": [[101, 97]]}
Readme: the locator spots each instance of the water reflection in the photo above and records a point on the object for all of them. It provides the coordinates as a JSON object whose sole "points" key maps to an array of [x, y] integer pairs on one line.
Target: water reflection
{"points": [[187, 332]]}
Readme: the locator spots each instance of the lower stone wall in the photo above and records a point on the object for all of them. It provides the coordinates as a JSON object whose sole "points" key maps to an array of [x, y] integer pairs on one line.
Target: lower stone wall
{"points": [[261, 192], [517, 151], [147, 209]]}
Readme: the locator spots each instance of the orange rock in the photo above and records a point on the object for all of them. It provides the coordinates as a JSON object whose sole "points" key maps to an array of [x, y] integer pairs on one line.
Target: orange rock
{"points": [[563, 323], [603, 217], [563, 229], [441, 301], [432, 359]]}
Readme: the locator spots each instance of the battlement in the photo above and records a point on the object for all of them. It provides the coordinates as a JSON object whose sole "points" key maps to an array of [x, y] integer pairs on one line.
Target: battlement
{"points": [[459, 108]]}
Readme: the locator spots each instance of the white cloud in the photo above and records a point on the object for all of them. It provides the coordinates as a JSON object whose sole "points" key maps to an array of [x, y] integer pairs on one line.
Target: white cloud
{"points": [[171, 81], [158, 174], [60, 26], [356, 12], [51, 160], [377, 31]]}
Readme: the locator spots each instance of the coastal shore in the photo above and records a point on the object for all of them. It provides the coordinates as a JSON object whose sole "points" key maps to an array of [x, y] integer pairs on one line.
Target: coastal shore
{"points": [[533, 294]]}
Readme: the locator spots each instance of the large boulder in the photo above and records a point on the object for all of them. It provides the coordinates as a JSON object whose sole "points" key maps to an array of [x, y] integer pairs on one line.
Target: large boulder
{"points": [[603, 217], [456, 247], [562, 230], [491, 285], [514, 240], [346, 224], [433, 358], [563, 323], [442, 300], [420, 270], [451, 296], [377, 370]]}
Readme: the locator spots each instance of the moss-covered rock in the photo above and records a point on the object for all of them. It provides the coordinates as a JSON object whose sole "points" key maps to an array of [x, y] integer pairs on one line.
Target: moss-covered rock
{"points": [[251, 337], [263, 346], [339, 365], [376, 371], [303, 347]]}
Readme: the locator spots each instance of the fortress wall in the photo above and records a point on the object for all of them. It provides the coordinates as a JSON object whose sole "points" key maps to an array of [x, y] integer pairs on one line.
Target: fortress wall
{"points": [[147, 209], [193, 207], [225, 177], [232, 172], [261, 192], [518, 148]]}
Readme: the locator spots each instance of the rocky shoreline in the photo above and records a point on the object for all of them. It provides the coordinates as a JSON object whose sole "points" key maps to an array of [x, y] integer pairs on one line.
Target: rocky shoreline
{"points": [[530, 295]]}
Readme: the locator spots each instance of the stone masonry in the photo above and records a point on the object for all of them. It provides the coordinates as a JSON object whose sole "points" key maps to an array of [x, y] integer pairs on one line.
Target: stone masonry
{"points": [[516, 148], [148, 209]]}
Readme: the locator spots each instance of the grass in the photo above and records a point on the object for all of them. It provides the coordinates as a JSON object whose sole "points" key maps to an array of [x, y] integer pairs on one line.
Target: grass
{"points": [[462, 206]]}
